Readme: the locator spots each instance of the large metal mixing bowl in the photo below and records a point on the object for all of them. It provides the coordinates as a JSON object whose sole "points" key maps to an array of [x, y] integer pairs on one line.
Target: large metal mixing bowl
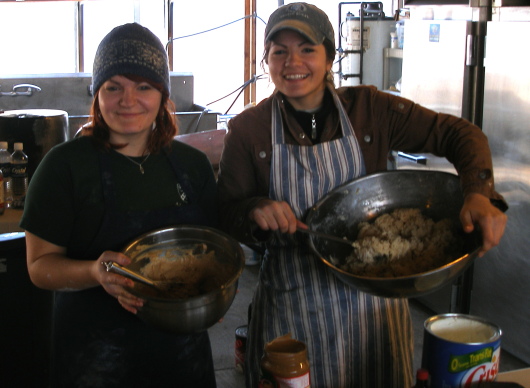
{"points": [[437, 194], [197, 313]]}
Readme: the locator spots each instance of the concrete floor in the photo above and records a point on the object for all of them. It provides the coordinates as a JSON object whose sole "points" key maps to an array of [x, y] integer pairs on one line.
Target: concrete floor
{"points": [[222, 335]]}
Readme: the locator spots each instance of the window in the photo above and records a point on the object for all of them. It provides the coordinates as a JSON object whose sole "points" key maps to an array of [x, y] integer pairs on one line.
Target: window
{"points": [[38, 37], [99, 17], [210, 45], [208, 39]]}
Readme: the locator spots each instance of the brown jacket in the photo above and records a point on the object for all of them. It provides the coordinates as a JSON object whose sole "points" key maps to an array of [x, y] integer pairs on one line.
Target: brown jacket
{"points": [[382, 123]]}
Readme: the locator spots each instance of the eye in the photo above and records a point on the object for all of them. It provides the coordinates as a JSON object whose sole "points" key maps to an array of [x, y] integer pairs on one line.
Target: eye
{"points": [[111, 88], [145, 86], [278, 51], [308, 49]]}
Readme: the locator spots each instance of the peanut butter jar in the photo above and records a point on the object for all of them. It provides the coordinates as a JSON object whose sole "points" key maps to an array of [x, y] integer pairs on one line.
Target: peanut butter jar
{"points": [[284, 364]]}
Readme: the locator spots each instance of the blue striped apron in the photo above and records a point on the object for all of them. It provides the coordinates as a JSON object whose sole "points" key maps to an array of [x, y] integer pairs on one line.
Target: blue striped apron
{"points": [[353, 339]]}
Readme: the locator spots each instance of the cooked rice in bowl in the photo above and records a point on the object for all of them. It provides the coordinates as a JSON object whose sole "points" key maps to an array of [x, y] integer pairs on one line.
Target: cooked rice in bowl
{"points": [[402, 243]]}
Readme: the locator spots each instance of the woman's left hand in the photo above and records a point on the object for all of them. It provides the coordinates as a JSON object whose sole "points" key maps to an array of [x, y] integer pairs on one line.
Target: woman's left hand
{"points": [[478, 211]]}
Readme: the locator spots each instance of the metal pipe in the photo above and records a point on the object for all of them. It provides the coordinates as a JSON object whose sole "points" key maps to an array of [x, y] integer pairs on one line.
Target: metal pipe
{"points": [[80, 49], [170, 22]]}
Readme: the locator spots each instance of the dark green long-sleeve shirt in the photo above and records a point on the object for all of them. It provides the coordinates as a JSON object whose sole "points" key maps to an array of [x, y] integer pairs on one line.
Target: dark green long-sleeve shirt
{"points": [[64, 204]]}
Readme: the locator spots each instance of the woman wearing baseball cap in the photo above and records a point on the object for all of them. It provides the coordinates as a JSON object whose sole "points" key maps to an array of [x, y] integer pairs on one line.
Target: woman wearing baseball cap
{"points": [[290, 150], [123, 176]]}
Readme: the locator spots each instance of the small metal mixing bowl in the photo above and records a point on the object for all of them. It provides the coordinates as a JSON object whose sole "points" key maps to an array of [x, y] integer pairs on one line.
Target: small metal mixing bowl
{"points": [[437, 194], [196, 313]]}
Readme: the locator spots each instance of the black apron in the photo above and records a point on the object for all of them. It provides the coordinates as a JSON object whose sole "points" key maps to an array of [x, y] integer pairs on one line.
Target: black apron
{"points": [[97, 343]]}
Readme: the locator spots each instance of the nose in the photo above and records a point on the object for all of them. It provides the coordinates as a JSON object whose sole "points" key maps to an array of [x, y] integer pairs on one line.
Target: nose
{"points": [[128, 97], [292, 59]]}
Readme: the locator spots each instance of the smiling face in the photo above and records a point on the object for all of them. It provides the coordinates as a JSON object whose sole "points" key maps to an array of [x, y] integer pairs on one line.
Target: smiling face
{"points": [[298, 69], [128, 107]]}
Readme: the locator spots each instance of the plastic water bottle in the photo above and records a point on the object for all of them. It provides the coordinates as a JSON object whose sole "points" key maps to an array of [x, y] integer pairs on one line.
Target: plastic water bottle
{"points": [[400, 32], [19, 176], [5, 167]]}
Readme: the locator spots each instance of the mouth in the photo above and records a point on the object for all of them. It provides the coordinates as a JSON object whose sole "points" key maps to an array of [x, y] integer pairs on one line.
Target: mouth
{"points": [[128, 114], [295, 77]]}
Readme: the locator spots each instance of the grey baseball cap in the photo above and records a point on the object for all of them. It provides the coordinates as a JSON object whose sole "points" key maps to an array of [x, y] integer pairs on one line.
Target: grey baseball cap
{"points": [[308, 20]]}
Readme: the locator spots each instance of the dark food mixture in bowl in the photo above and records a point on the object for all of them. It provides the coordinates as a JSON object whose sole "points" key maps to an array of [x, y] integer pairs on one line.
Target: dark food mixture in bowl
{"points": [[185, 271], [402, 243]]}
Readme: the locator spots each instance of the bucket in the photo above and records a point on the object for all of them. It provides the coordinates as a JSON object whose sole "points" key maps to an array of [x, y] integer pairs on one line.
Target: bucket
{"points": [[460, 350]]}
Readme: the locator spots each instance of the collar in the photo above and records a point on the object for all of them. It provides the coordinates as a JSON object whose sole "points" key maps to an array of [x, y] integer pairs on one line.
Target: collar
{"points": [[299, 123]]}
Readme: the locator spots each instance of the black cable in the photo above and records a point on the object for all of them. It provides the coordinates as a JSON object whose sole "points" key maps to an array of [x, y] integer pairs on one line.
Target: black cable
{"points": [[241, 89], [199, 119], [235, 99], [254, 15], [253, 79]]}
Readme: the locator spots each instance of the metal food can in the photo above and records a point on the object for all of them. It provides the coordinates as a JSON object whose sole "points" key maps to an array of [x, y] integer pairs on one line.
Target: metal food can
{"points": [[241, 347], [460, 350]]}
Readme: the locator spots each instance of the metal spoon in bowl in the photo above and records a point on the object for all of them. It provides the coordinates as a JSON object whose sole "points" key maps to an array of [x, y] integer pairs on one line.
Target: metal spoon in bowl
{"points": [[326, 236], [162, 285]]}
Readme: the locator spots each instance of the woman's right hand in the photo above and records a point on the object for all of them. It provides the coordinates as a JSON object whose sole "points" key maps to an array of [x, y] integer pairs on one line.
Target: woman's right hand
{"points": [[275, 216], [116, 285]]}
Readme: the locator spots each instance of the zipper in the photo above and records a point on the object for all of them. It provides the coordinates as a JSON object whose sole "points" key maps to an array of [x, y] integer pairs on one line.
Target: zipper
{"points": [[313, 127]]}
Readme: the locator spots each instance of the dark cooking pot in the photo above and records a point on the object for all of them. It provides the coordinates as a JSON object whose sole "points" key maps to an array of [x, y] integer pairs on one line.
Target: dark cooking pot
{"points": [[38, 129]]}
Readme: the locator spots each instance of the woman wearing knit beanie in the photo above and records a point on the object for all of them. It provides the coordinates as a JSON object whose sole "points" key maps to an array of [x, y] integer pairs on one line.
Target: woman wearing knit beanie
{"points": [[123, 176]]}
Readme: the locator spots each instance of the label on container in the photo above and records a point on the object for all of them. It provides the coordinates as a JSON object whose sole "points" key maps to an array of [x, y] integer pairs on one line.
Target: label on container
{"points": [[481, 372], [284, 364], [19, 184], [240, 347], [355, 37], [6, 169], [19, 170], [460, 351], [270, 381]]}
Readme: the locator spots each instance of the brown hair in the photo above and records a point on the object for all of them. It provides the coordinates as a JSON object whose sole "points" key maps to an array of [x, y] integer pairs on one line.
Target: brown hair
{"points": [[161, 137]]}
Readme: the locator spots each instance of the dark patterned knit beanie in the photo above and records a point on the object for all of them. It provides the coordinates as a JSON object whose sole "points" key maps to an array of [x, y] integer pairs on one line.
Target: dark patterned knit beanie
{"points": [[130, 49]]}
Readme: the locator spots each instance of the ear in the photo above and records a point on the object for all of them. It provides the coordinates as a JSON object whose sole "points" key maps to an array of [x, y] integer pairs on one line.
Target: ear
{"points": [[329, 65]]}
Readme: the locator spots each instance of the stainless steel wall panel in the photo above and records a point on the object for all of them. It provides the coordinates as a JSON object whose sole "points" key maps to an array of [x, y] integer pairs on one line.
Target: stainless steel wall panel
{"points": [[501, 289], [434, 56]]}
